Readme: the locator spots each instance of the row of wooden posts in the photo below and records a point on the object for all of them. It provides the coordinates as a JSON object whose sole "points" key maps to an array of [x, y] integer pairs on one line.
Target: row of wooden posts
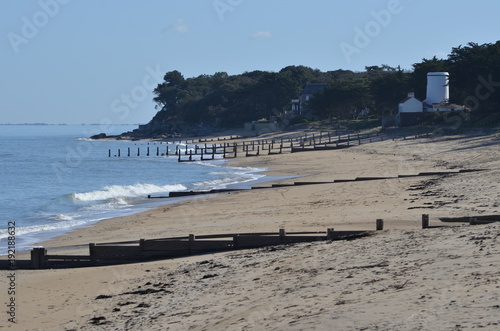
{"points": [[330, 140], [164, 248]]}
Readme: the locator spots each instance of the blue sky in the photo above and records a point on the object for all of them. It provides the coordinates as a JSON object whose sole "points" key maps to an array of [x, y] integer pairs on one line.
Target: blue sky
{"points": [[93, 61]]}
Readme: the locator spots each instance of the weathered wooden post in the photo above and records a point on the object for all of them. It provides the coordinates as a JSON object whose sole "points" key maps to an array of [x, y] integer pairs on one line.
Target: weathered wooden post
{"points": [[128, 152], [191, 240], [425, 221], [138, 151], [282, 235], [158, 151], [38, 258], [380, 224], [330, 234], [235, 241], [119, 152], [92, 253], [109, 153]]}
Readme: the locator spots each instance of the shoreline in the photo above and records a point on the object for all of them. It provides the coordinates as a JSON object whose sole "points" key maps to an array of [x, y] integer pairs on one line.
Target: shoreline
{"points": [[145, 205], [403, 261], [276, 169]]}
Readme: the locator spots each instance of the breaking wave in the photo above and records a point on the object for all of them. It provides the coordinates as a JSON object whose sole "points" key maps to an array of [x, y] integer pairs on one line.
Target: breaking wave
{"points": [[125, 191]]}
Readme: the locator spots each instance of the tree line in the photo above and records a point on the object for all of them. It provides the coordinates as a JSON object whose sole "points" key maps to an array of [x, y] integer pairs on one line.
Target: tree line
{"points": [[222, 100]]}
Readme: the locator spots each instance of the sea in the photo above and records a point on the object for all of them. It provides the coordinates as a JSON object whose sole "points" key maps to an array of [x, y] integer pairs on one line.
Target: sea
{"points": [[55, 179]]}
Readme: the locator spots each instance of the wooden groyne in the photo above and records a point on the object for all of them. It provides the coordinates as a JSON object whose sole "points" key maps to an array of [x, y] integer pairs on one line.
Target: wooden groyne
{"points": [[175, 247], [166, 248], [176, 194], [209, 149], [205, 149]]}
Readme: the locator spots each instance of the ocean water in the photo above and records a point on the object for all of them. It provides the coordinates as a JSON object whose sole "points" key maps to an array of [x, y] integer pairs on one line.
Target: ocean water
{"points": [[54, 179]]}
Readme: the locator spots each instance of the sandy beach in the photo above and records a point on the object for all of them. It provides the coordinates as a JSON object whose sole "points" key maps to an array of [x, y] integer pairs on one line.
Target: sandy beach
{"points": [[402, 278]]}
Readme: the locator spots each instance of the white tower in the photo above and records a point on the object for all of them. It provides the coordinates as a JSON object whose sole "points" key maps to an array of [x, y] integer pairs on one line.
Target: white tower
{"points": [[438, 90]]}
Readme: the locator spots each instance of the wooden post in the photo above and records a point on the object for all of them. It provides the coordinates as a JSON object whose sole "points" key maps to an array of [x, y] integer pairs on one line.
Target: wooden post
{"points": [[119, 152], [425, 221], [380, 224], [109, 153], [329, 233], [128, 153], [147, 152], [235, 240], [192, 238], [282, 234], [157, 151], [138, 151], [38, 258], [92, 252]]}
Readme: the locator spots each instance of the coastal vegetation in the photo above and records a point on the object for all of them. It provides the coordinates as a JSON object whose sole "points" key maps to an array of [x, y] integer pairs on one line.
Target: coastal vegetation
{"points": [[228, 101]]}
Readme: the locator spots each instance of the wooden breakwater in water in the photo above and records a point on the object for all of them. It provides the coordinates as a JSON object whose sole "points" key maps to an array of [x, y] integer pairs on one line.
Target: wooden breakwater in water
{"points": [[209, 149]]}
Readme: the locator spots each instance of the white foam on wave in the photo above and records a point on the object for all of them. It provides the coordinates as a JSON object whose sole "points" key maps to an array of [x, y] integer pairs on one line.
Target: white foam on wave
{"points": [[119, 192], [62, 217], [229, 176], [62, 225]]}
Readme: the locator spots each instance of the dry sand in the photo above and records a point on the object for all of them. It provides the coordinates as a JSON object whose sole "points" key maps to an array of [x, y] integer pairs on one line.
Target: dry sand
{"points": [[403, 278]]}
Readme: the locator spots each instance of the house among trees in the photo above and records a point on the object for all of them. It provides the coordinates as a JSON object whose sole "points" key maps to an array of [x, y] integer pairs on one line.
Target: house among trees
{"points": [[299, 106]]}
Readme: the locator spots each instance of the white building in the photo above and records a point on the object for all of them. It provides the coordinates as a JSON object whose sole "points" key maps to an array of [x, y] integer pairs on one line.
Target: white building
{"points": [[438, 88], [410, 104]]}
